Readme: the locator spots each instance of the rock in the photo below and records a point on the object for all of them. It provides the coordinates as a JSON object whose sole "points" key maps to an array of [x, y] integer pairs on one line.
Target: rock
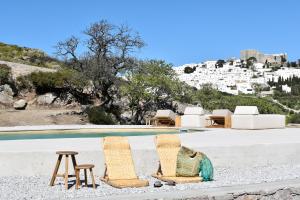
{"points": [[180, 107], [7, 90], [85, 108], [295, 190], [122, 102], [282, 194], [247, 197], [65, 99], [20, 104], [126, 117], [126, 114], [6, 99], [6, 95], [89, 88], [46, 99], [25, 57]]}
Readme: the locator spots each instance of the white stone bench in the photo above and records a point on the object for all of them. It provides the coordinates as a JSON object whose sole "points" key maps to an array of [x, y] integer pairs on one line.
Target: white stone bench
{"points": [[248, 117]]}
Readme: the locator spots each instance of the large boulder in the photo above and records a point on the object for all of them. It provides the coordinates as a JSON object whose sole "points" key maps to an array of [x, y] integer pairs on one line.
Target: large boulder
{"points": [[6, 99], [20, 104], [46, 99], [89, 88], [6, 89], [6, 95], [64, 99]]}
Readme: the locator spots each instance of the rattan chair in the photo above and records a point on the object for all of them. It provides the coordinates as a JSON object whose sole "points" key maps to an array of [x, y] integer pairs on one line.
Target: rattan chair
{"points": [[167, 148], [119, 166]]}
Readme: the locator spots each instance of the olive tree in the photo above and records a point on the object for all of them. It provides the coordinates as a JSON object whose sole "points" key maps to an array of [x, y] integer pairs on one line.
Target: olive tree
{"points": [[153, 85], [106, 54]]}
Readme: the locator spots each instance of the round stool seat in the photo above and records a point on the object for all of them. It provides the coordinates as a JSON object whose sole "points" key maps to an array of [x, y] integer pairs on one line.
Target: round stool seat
{"points": [[66, 152], [85, 166], [66, 175]]}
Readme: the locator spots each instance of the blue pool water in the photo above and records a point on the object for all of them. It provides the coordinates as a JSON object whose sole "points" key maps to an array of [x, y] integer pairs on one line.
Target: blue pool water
{"points": [[57, 135]]}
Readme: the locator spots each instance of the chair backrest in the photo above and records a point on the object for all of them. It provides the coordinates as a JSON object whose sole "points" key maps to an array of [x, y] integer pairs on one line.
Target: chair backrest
{"points": [[221, 112], [167, 146], [246, 110], [193, 111], [118, 158], [165, 114]]}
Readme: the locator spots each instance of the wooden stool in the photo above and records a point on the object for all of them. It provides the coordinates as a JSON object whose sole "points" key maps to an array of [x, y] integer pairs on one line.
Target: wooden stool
{"points": [[85, 167], [66, 174]]}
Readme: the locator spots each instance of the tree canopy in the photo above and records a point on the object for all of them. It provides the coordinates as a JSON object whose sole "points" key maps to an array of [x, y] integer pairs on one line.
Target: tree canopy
{"points": [[108, 53], [152, 85]]}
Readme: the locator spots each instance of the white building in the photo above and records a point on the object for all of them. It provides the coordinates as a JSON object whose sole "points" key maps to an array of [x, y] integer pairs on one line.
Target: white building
{"points": [[286, 88], [232, 78]]}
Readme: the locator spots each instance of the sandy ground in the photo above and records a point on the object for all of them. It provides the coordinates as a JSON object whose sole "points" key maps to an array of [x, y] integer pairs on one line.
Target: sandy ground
{"points": [[39, 117]]}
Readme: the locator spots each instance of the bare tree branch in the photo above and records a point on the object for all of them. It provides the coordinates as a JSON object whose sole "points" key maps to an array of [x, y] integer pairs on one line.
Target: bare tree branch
{"points": [[109, 49], [67, 49]]}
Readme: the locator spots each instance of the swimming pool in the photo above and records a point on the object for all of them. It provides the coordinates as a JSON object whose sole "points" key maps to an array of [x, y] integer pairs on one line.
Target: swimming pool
{"points": [[29, 135]]}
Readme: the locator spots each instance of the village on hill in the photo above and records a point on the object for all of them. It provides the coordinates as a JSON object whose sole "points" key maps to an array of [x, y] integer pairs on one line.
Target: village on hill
{"points": [[243, 75]]}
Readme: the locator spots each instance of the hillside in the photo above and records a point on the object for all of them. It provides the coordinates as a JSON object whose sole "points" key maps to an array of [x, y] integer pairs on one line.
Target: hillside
{"points": [[24, 55], [32, 86], [18, 69]]}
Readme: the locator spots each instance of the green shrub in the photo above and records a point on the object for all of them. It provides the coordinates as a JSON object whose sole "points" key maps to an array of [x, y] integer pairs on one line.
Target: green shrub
{"points": [[220, 63], [5, 74], [189, 70], [294, 118], [23, 82], [211, 99], [47, 81], [97, 115], [60, 80]]}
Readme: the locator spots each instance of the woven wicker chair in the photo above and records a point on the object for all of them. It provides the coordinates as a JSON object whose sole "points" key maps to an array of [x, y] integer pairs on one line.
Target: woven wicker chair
{"points": [[167, 148], [119, 167]]}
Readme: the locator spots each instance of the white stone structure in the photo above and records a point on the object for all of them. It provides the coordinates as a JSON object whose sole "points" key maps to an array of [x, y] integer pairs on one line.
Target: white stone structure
{"points": [[261, 57]]}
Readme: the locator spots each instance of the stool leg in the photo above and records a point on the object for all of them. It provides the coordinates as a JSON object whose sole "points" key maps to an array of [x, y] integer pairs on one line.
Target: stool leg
{"points": [[55, 170], [73, 161], [67, 172], [93, 180], [77, 171], [85, 177]]}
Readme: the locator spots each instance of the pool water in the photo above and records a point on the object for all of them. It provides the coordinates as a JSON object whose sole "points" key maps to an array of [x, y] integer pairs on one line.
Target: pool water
{"points": [[59, 135]]}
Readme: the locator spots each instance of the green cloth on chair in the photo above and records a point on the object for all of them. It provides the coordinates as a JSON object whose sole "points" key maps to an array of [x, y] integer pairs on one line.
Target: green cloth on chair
{"points": [[188, 162], [206, 169]]}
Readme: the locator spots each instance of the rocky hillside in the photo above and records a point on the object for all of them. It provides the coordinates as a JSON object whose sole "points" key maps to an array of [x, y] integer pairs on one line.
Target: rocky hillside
{"points": [[18, 69], [19, 62], [25, 55]]}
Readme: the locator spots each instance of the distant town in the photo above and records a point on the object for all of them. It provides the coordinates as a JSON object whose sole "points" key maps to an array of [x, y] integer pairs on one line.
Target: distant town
{"points": [[243, 75]]}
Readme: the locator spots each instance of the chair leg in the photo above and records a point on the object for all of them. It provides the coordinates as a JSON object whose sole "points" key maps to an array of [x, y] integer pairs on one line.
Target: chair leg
{"points": [[55, 170], [67, 172], [77, 178], [105, 172], [85, 177], [93, 180]]}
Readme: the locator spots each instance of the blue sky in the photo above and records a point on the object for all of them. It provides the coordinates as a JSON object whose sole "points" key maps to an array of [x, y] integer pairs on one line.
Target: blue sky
{"points": [[177, 31]]}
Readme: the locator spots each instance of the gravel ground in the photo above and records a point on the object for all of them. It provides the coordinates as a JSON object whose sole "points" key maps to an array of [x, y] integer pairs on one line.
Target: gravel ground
{"points": [[18, 187]]}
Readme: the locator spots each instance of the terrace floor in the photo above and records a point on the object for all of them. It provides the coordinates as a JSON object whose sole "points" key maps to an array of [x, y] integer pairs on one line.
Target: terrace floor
{"points": [[244, 160]]}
